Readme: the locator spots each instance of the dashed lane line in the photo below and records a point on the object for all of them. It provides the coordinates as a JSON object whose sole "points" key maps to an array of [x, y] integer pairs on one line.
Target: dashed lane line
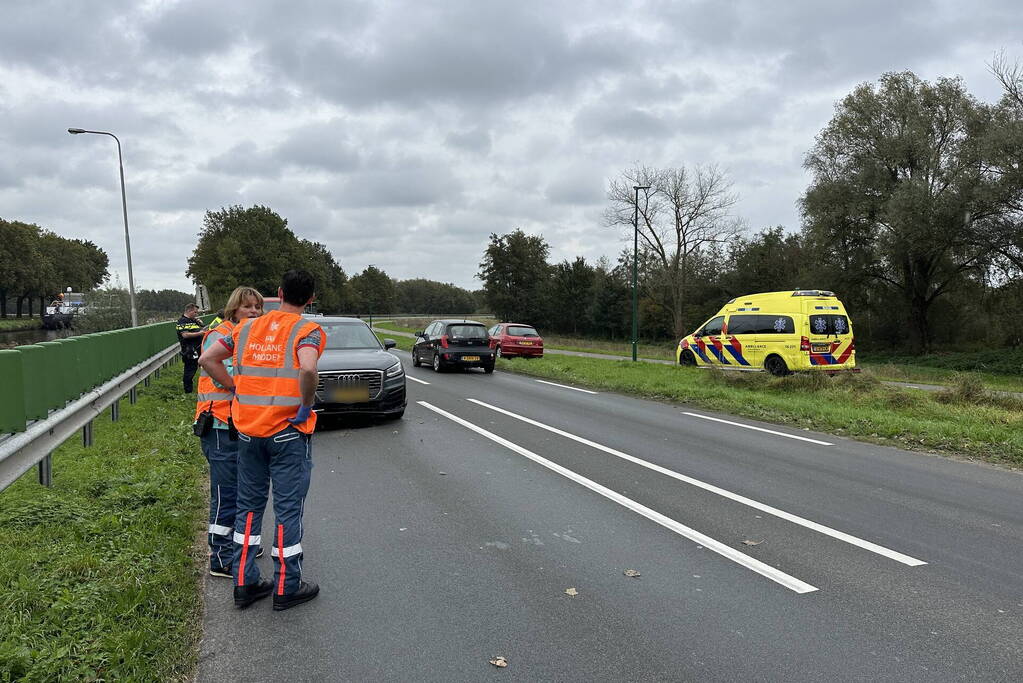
{"points": [[565, 386], [778, 576], [760, 429], [408, 376]]}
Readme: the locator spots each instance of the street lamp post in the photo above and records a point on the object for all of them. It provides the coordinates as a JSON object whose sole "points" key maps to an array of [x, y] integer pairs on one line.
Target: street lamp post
{"points": [[635, 268], [124, 209]]}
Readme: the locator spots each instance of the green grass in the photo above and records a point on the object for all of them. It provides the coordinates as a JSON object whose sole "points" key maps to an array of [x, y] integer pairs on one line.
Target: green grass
{"points": [[15, 324], [100, 578], [659, 351], [964, 420], [922, 374]]}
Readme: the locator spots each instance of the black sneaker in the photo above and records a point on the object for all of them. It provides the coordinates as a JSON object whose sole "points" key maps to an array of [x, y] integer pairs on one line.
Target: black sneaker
{"points": [[221, 571], [246, 595], [305, 593]]}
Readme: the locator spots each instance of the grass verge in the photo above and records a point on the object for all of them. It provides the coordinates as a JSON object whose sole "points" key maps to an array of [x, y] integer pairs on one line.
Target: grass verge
{"points": [[964, 420], [16, 324], [99, 579]]}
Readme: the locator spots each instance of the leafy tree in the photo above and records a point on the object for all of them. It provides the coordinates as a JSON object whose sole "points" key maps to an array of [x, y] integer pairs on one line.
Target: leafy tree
{"points": [[373, 291], [900, 184], [255, 247], [608, 312], [514, 272], [568, 296], [767, 262], [163, 301]]}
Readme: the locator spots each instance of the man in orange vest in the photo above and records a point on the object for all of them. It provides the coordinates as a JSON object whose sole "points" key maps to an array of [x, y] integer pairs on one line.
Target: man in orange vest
{"points": [[274, 382]]}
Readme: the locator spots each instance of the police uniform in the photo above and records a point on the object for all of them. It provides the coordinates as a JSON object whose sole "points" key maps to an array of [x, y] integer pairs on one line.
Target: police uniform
{"points": [[266, 375], [189, 350]]}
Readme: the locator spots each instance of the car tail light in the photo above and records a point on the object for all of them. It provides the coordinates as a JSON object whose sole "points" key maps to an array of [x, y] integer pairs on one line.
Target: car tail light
{"points": [[804, 343], [444, 341]]}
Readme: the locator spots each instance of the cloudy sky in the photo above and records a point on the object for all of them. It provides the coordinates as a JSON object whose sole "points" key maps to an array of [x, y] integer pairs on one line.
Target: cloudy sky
{"points": [[401, 134]]}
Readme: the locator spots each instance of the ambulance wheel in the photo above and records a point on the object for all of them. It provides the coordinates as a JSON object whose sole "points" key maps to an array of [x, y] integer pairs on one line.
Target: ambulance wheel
{"points": [[687, 359], [415, 359], [776, 366]]}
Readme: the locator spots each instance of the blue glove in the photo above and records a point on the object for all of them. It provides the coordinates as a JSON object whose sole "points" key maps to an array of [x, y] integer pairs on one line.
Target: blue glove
{"points": [[302, 415]]}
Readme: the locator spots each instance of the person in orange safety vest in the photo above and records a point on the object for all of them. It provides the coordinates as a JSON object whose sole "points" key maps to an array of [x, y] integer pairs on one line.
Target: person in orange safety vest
{"points": [[219, 444], [274, 383]]}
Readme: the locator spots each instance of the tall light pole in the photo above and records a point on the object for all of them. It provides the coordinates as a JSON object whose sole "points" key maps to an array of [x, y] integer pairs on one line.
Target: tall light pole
{"points": [[124, 208], [635, 269]]}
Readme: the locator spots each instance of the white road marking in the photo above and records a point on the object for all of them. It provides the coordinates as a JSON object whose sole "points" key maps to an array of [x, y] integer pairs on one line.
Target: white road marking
{"points": [[563, 386], [759, 429], [722, 549], [416, 380], [827, 531]]}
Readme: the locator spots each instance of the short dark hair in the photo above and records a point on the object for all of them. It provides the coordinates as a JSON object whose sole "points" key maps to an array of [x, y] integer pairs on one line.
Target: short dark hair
{"points": [[298, 286], [190, 305]]}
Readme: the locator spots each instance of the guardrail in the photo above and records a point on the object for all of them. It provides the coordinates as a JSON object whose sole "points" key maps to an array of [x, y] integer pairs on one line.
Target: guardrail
{"points": [[52, 389]]}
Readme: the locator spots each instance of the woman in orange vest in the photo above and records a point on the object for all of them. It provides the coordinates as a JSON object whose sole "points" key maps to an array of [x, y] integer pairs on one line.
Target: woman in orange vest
{"points": [[212, 425], [274, 381]]}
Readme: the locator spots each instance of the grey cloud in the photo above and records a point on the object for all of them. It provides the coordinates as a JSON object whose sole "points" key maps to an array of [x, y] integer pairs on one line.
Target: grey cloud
{"points": [[626, 123], [246, 160], [320, 146], [477, 140], [576, 186]]}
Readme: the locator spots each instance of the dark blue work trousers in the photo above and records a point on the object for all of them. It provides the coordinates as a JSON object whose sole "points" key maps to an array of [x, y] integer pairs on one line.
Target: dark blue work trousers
{"points": [[222, 455], [285, 459]]}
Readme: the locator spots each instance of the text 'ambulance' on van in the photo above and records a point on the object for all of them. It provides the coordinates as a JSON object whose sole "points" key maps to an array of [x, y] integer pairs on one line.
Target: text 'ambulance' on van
{"points": [[780, 332]]}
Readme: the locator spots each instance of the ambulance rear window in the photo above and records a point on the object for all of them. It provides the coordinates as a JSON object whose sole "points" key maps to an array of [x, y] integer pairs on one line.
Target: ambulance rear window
{"points": [[829, 324], [761, 324]]}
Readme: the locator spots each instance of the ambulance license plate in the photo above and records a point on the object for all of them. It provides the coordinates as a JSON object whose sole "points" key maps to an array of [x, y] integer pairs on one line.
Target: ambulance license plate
{"points": [[470, 359], [821, 348], [351, 394]]}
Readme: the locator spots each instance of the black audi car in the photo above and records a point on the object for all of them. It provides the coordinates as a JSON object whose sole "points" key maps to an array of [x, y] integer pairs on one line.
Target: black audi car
{"points": [[357, 374], [454, 344]]}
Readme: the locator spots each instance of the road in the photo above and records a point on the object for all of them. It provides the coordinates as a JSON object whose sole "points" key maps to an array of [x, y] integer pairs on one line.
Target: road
{"points": [[451, 536]]}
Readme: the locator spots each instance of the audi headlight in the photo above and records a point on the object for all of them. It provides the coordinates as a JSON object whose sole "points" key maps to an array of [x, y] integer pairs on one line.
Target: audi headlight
{"points": [[394, 370]]}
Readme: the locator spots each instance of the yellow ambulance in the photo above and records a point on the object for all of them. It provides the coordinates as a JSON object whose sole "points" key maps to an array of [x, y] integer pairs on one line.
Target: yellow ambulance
{"points": [[780, 332]]}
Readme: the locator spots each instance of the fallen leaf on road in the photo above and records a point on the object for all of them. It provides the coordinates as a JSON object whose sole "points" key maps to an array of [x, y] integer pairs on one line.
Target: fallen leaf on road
{"points": [[631, 572], [571, 591], [499, 662], [749, 542]]}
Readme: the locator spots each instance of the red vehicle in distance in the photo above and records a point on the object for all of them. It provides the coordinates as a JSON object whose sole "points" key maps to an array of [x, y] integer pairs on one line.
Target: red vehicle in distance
{"points": [[516, 339]]}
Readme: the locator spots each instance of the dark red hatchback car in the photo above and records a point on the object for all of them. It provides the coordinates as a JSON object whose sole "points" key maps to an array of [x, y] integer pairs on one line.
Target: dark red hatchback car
{"points": [[516, 339]]}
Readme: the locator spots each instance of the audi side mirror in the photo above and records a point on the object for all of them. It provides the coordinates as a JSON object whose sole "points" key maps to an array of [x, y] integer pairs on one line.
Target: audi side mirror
{"points": [[389, 343]]}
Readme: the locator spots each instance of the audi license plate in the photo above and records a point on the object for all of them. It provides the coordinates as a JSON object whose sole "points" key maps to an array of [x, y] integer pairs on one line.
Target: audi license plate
{"points": [[821, 348], [470, 359], [356, 393]]}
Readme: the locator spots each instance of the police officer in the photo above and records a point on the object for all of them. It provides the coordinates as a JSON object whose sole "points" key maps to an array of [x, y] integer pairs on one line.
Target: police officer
{"points": [[274, 380], [212, 417], [190, 334]]}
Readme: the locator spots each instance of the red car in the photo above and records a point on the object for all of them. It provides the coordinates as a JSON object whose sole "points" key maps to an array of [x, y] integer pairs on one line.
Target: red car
{"points": [[516, 339]]}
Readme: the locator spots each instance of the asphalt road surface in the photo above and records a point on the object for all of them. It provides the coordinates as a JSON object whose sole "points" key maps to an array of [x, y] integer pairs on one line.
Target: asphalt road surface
{"points": [[763, 553]]}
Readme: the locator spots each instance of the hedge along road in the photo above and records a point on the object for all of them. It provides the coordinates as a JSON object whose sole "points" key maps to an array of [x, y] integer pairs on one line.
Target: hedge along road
{"points": [[450, 537]]}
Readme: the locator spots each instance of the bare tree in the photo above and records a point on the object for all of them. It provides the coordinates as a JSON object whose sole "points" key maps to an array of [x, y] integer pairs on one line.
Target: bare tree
{"points": [[1010, 75], [681, 214]]}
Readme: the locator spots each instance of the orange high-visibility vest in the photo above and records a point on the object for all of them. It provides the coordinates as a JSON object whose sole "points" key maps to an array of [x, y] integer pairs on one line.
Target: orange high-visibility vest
{"points": [[209, 394], [266, 373]]}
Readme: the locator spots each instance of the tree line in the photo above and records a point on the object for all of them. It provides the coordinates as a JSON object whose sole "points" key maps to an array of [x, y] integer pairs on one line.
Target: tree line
{"points": [[912, 216], [36, 265], [254, 246]]}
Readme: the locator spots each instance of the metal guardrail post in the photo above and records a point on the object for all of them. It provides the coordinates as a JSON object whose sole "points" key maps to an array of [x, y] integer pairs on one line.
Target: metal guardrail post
{"points": [[145, 382], [46, 471], [115, 410], [133, 395], [87, 434]]}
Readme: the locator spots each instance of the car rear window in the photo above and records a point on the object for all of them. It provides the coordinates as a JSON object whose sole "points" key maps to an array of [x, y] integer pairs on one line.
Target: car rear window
{"points": [[350, 336], [828, 323], [522, 331], [467, 332]]}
